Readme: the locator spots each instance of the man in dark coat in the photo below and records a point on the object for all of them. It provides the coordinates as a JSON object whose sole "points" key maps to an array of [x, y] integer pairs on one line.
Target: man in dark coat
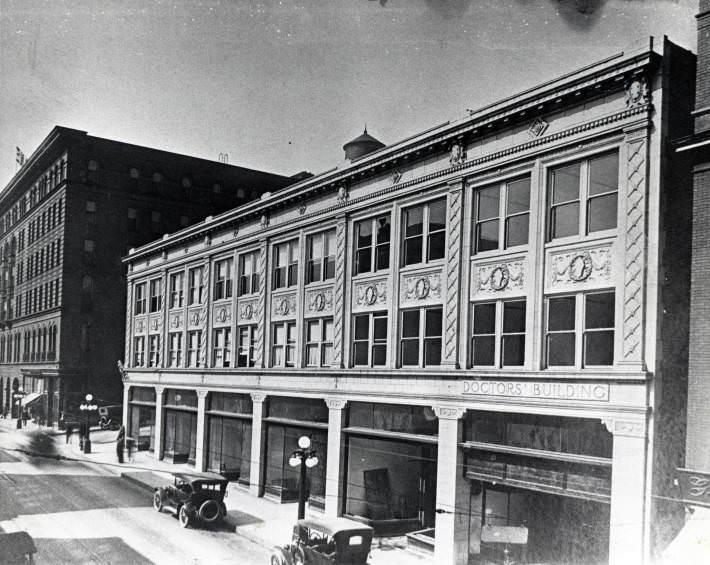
{"points": [[120, 441]]}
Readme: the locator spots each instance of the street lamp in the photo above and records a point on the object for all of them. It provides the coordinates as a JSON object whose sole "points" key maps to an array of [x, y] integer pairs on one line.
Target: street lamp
{"points": [[86, 408], [18, 395], [305, 458]]}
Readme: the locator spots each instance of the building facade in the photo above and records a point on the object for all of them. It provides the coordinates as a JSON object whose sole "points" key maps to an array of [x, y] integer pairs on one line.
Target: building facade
{"points": [[467, 324], [67, 218]]}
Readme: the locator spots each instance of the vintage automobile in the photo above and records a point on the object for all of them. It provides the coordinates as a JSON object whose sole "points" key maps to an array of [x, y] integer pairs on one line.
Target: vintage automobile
{"points": [[110, 417], [315, 542], [194, 497]]}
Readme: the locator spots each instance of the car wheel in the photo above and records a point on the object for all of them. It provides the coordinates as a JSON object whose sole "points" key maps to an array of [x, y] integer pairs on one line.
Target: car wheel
{"points": [[157, 501], [277, 559], [210, 511], [299, 557], [113, 426], [183, 517]]}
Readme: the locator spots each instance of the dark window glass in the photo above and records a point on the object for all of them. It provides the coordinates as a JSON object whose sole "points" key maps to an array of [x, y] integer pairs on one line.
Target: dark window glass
{"points": [[561, 314], [599, 310], [410, 352], [410, 323], [565, 220], [560, 349], [484, 318], [437, 245], [513, 350], [518, 200], [516, 230], [380, 328], [437, 216], [360, 352], [565, 183], [604, 174], [414, 221], [514, 317], [363, 260], [433, 322], [484, 324], [362, 324], [599, 348], [413, 251], [487, 212], [601, 212]]}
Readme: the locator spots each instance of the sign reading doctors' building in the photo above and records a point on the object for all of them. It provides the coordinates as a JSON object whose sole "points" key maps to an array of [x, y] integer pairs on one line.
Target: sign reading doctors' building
{"points": [[538, 389]]}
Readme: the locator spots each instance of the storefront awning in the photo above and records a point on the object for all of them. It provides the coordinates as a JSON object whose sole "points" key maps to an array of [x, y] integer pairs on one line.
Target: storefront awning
{"points": [[30, 398], [692, 544]]}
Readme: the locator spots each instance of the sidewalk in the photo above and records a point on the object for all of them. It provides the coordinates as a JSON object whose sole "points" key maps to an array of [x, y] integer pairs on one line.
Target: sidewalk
{"points": [[267, 523]]}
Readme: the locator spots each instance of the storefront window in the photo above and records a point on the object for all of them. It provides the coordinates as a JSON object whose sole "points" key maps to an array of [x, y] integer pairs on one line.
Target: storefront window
{"points": [[141, 417], [180, 426], [393, 418]]}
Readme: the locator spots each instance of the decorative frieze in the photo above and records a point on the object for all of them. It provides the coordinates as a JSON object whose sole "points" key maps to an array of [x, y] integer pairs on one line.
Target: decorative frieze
{"points": [[193, 318], [247, 311], [335, 403], [222, 314], [537, 127], [585, 268], [283, 306], [370, 295], [500, 277], [176, 321], [319, 302], [421, 289]]}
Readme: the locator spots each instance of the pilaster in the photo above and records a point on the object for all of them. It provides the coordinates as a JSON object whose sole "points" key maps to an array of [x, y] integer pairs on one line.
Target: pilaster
{"points": [[127, 359], [339, 292], [259, 356], [200, 451], [628, 492], [336, 464], [204, 312], [126, 399], [451, 526], [256, 471], [454, 215], [159, 392]]}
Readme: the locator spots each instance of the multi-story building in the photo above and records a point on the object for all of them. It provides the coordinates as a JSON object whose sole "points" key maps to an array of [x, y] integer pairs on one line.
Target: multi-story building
{"points": [[66, 219], [468, 324]]}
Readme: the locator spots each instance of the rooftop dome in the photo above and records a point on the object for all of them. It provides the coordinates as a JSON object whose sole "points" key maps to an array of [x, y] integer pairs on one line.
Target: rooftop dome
{"points": [[361, 145]]}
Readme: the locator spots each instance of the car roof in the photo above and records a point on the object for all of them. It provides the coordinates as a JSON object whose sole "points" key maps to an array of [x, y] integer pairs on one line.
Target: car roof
{"points": [[195, 477], [334, 525]]}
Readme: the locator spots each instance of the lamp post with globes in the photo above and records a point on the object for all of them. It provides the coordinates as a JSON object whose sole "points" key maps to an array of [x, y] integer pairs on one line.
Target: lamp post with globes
{"points": [[86, 408], [305, 458], [18, 395]]}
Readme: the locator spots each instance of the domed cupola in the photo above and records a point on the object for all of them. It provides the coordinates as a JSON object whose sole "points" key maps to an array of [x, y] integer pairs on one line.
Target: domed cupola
{"points": [[361, 145]]}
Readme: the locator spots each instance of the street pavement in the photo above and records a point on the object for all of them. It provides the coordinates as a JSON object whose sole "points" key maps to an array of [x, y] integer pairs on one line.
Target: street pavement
{"points": [[79, 512]]}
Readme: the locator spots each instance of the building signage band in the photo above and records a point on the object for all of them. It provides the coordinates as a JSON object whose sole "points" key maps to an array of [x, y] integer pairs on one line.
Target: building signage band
{"points": [[537, 389]]}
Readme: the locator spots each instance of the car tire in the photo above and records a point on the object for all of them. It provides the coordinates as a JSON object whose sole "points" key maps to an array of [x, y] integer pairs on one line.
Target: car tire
{"points": [[183, 517], [299, 556], [210, 511], [158, 501], [277, 559]]}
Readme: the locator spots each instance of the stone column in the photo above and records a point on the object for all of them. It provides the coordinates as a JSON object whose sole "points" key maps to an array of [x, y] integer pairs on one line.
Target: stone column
{"points": [[336, 456], [454, 217], [628, 492], [159, 392], [200, 452], [256, 470], [451, 526], [126, 398]]}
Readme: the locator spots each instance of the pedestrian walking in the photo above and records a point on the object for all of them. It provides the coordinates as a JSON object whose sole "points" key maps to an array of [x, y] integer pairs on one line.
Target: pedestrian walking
{"points": [[120, 443], [68, 430]]}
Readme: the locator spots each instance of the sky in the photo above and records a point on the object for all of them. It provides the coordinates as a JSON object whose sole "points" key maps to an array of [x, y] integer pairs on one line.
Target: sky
{"points": [[282, 85]]}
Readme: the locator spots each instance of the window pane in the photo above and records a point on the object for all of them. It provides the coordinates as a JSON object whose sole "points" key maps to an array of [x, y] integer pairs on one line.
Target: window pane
{"points": [[364, 234], [413, 251], [565, 183], [513, 350], [487, 235], [410, 323], [360, 353], [599, 348], [565, 220], [380, 327], [291, 331], [383, 257], [518, 196], [513, 317], [312, 355], [410, 352], [437, 245], [561, 313], [601, 213], [599, 310], [413, 221], [315, 247], [383, 229], [327, 354], [560, 349], [604, 174], [516, 230], [432, 351], [327, 330], [488, 203], [484, 350], [293, 256], [362, 260], [379, 355], [279, 334], [433, 322], [437, 215], [484, 318], [361, 327], [312, 331]]}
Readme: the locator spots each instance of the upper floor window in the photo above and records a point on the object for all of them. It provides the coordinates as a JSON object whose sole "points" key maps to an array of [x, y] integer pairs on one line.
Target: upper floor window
{"points": [[156, 299], [420, 345], [424, 233], [583, 196], [194, 338], [139, 351], [175, 349], [195, 286], [248, 275], [370, 340], [222, 347], [283, 345], [502, 215], [132, 224], [90, 212], [223, 279], [319, 342], [498, 338], [321, 256], [154, 351], [372, 245], [247, 341], [140, 299], [285, 264], [580, 330], [177, 284]]}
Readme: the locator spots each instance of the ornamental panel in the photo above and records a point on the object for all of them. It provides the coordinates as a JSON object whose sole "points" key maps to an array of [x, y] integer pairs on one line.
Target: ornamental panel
{"points": [[176, 321], [222, 314], [499, 278], [248, 311], [155, 325], [370, 295], [139, 326], [421, 289], [319, 302], [193, 318], [579, 269], [283, 306]]}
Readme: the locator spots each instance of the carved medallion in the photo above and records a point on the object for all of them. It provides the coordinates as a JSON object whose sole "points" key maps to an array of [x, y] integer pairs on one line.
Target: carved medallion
{"points": [[222, 315], [343, 194], [457, 154], [537, 127], [500, 277], [396, 175], [195, 318], [302, 208], [422, 288], [580, 267], [284, 305], [176, 321], [319, 301], [154, 324], [247, 312], [637, 93], [370, 295], [140, 327]]}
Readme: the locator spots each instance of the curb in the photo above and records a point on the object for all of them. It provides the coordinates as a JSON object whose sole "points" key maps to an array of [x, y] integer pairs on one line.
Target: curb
{"points": [[137, 482]]}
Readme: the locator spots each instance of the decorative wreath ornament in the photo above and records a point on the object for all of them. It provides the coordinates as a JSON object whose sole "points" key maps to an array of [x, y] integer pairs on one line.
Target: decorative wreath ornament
{"points": [[422, 288], [370, 295], [319, 301], [499, 277], [195, 318], [580, 267], [247, 311]]}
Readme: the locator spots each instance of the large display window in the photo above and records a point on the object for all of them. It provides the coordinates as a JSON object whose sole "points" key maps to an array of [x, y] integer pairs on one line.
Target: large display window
{"points": [[141, 417], [229, 428], [180, 426]]}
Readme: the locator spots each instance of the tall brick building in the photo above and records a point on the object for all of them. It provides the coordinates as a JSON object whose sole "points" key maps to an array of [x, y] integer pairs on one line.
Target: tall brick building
{"points": [[66, 218]]}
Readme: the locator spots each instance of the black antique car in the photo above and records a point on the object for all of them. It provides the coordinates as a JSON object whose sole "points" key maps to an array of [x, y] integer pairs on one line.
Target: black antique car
{"points": [[194, 496], [332, 541]]}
